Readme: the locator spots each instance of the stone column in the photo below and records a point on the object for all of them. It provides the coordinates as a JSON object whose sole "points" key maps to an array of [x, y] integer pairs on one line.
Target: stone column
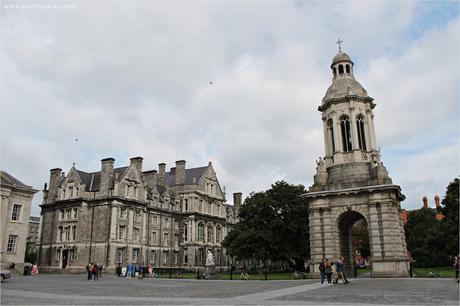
{"points": [[327, 145]]}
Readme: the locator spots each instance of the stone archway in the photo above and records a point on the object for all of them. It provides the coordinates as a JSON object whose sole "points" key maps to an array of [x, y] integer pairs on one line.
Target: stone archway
{"points": [[345, 223]]}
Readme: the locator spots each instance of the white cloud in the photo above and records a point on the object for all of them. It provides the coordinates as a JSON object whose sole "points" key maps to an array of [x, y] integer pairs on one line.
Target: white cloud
{"points": [[134, 80]]}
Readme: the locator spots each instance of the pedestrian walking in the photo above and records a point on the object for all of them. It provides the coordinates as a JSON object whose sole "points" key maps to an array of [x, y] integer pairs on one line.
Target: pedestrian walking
{"points": [[340, 268], [328, 270], [322, 271]]}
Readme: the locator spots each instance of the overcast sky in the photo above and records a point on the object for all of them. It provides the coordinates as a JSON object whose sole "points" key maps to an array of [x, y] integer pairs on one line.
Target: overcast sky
{"points": [[133, 78]]}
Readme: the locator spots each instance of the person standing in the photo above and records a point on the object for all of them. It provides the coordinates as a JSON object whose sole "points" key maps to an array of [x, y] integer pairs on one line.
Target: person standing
{"points": [[99, 270], [456, 267], [94, 271], [322, 271], [89, 268], [328, 270]]}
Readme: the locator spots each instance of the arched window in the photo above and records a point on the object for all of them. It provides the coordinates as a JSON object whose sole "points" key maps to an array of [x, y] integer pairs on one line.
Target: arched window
{"points": [[335, 72], [330, 132], [340, 69], [348, 68], [346, 134], [361, 135]]}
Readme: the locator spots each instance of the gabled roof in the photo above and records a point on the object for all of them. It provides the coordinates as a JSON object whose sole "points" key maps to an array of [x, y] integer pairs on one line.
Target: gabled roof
{"points": [[10, 181], [196, 173], [92, 180]]}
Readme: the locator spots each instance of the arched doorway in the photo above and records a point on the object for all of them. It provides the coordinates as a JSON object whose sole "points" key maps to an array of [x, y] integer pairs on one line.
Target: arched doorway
{"points": [[354, 240]]}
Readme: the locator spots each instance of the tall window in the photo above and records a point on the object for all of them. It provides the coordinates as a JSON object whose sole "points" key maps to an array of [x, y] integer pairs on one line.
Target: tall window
{"points": [[60, 233], [185, 205], [165, 238], [330, 131], [200, 230], [121, 232], [154, 237], [136, 234], [361, 135], [67, 233], [209, 233], [75, 211], [218, 234], [135, 255], [121, 212], [346, 134], [12, 242], [16, 213], [74, 232], [185, 232], [155, 220], [137, 215], [119, 255]]}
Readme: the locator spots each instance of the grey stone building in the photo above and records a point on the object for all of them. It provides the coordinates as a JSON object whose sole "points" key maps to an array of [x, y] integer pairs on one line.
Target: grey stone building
{"points": [[122, 215], [32, 235], [15, 202], [351, 182]]}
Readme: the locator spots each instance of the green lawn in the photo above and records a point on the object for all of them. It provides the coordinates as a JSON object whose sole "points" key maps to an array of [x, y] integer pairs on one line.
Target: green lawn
{"points": [[438, 271]]}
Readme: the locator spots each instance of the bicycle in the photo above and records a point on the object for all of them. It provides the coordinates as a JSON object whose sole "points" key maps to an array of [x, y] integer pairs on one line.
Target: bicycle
{"points": [[205, 275], [300, 275], [244, 276]]}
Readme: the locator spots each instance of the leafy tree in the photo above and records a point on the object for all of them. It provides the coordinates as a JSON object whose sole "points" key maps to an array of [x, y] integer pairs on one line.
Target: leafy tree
{"points": [[273, 225], [433, 242], [448, 237], [421, 231]]}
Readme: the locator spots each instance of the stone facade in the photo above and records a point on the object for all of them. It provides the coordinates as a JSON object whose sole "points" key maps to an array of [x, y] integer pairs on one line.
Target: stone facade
{"points": [[15, 203], [122, 215], [32, 235], [352, 183]]}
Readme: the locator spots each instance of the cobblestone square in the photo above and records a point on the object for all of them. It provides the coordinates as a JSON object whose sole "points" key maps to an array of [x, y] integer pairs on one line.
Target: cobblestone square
{"points": [[47, 289]]}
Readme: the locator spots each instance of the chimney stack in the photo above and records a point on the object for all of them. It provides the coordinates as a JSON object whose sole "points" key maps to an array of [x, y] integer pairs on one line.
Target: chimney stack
{"points": [[161, 174], [106, 175], [55, 179], [437, 201], [180, 172], [237, 200], [137, 162], [425, 202]]}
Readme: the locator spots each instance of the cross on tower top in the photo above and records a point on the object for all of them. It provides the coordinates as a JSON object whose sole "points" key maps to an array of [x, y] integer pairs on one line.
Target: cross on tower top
{"points": [[339, 42]]}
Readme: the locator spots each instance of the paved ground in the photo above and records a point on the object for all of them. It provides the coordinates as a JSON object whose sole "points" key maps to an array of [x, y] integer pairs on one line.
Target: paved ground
{"points": [[48, 289]]}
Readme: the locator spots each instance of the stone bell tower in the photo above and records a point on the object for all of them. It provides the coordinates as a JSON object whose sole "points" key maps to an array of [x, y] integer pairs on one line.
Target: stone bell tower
{"points": [[351, 182]]}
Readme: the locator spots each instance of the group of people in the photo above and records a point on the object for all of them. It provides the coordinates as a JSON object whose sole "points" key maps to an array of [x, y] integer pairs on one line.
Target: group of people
{"points": [[94, 271], [135, 270], [325, 269]]}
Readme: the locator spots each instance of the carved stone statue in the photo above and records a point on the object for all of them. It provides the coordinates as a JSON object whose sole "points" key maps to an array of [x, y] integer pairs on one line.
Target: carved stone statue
{"points": [[320, 166], [210, 259]]}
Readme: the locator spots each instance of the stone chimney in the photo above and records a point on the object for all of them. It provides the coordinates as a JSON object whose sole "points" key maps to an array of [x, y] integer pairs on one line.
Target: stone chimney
{"points": [[425, 202], [161, 174], [237, 200], [437, 201], [55, 179], [106, 175], [180, 172], [150, 178], [137, 162]]}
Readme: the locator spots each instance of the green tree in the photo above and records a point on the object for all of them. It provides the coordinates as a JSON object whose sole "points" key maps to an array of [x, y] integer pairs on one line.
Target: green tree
{"points": [[421, 231], [273, 225], [448, 237]]}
